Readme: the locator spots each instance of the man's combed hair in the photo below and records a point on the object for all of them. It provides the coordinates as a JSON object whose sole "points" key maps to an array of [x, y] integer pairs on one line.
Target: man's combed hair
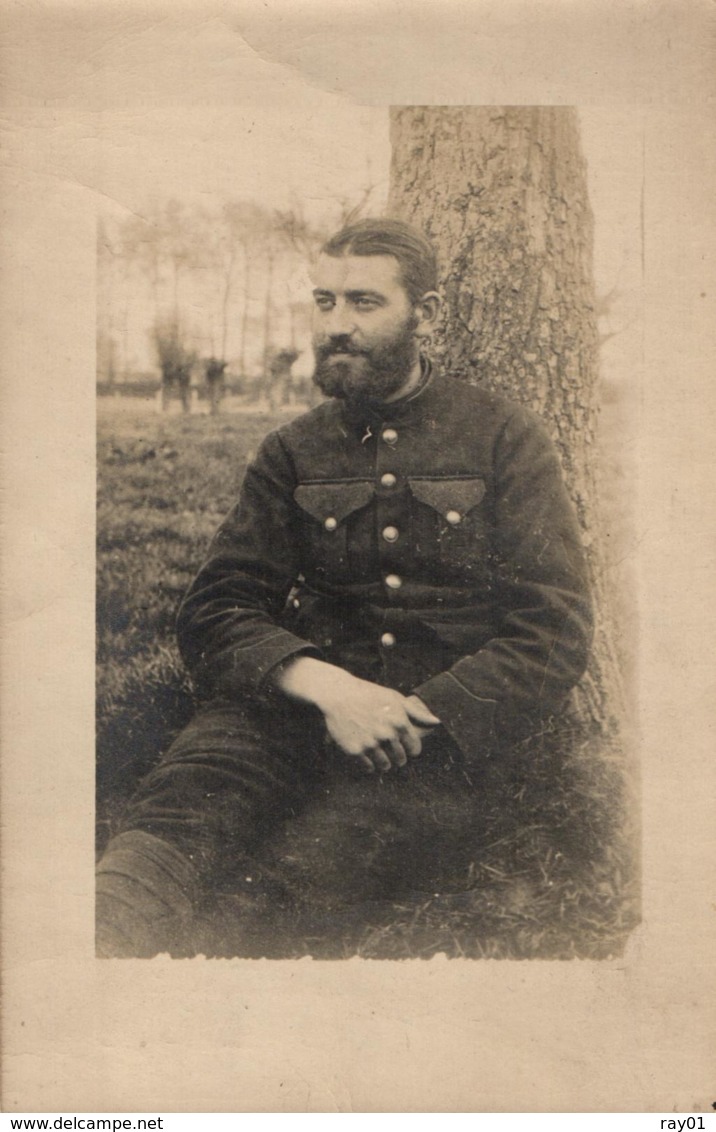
{"points": [[414, 253]]}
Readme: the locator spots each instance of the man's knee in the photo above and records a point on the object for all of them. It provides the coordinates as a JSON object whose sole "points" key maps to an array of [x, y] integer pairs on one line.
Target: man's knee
{"points": [[226, 782]]}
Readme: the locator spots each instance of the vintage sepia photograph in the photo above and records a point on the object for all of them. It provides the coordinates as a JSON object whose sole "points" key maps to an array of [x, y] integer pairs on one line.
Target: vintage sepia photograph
{"points": [[365, 617], [357, 446]]}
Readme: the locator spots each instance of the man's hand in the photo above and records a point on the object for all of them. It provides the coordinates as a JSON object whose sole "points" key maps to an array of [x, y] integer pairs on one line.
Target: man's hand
{"points": [[420, 713], [378, 726]]}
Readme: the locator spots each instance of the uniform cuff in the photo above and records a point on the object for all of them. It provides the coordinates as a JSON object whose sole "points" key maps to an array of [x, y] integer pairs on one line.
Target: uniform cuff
{"points": [[267, 683], [249, 668], [469, 720], [274, 651]]}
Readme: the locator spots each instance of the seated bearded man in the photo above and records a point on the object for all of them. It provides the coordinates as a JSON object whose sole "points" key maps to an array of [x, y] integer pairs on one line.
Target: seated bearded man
{"points": [[400, 589]]}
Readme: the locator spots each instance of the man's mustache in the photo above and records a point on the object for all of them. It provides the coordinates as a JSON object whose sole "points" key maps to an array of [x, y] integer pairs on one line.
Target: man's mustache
{"points": [[338, 346]]}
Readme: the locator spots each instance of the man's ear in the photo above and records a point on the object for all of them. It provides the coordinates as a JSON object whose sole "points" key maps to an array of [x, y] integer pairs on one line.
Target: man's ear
{"points": [[427, 310]]}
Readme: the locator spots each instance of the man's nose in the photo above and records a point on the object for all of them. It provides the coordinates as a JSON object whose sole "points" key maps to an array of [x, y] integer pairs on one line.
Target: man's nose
{"points": [[340, 320]]}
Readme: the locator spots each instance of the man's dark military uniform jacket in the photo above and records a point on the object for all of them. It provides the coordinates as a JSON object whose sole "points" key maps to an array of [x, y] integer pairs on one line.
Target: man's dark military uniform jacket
{"points": [[428, 545]]}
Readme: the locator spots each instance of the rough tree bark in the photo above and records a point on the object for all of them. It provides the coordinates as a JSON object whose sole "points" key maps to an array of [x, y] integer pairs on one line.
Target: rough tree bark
{"points": [[502, 193]]}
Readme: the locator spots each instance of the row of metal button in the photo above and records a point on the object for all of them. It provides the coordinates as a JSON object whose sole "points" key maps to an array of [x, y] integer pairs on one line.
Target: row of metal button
{"points": [[390, 533]]}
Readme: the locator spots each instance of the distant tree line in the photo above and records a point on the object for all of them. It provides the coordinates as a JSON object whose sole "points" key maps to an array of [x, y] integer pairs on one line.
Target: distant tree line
{"points": [[203, 295]]}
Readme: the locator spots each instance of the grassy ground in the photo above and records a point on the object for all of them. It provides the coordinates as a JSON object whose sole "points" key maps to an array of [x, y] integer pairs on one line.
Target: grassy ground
{"points": [[541, 866]]}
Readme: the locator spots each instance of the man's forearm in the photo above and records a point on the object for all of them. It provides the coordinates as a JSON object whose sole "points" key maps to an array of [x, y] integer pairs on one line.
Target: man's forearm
{"points": [[312, 681]]}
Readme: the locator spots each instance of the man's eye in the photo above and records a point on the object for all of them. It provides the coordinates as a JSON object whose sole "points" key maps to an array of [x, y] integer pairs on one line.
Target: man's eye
{"points": [[365, 304], [324, 303]]}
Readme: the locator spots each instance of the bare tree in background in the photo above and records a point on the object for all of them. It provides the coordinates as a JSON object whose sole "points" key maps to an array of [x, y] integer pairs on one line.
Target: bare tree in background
{"points": [[241, 226], [114, 269], [106, 340], [175, 361], [214, 373]]}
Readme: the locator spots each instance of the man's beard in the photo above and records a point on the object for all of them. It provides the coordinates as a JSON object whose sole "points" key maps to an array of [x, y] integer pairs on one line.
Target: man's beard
{"points": [[373, 374]]}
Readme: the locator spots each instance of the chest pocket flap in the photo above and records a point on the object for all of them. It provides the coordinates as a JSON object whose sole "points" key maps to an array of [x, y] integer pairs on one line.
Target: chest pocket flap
{"points": [[333, 500], [454, 497]]}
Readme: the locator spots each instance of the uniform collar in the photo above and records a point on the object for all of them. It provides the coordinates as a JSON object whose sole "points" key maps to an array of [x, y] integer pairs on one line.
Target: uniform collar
{"points": [[373, 413]]}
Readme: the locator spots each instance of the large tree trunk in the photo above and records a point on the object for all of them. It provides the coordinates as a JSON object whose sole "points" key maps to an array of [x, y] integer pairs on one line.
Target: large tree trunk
{"points": [[502, 193]]}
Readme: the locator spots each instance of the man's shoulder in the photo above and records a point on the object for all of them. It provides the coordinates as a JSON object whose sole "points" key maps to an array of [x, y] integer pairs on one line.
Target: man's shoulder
{"points": [[472, 392], [303, 432], [470, 402], [313, 422]]}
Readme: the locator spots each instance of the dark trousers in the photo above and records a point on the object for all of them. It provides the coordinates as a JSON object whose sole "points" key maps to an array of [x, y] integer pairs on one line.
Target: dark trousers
{"points": [[229, 778], [234, 776]]}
